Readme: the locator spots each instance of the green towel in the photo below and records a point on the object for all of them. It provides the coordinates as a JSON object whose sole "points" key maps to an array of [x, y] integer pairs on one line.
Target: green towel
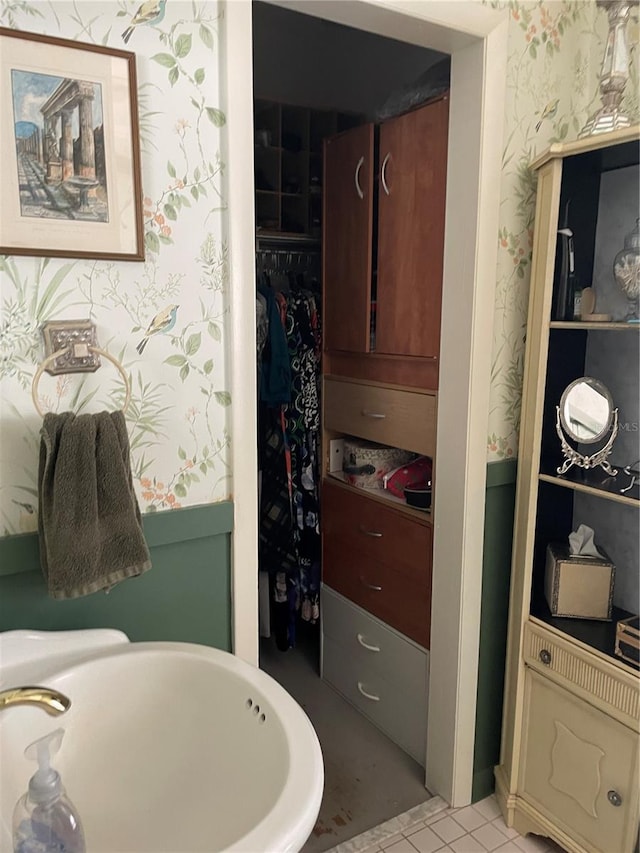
{"points": [[89, 522]]}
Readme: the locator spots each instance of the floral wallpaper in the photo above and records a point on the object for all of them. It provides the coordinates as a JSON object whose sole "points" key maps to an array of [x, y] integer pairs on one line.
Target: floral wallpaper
{"points": [[555, 52], [163, 319]]}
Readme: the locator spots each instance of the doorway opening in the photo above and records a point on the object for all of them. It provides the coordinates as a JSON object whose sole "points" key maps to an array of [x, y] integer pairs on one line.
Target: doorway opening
{"points": [[476, 38], [314, 79]]}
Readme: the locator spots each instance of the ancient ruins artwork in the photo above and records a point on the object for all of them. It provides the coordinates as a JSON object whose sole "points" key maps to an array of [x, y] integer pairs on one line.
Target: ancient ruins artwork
{"points": [[59, 134]]}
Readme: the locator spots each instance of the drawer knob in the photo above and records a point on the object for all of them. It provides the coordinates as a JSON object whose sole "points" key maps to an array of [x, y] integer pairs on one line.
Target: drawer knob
{"points": [[374, 533], [378, 415], [372, 586], [366, 645], [545, 656], [614, 798], [366, 695]]}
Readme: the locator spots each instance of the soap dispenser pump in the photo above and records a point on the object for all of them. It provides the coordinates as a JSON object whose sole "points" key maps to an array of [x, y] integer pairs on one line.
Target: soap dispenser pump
{"points": [[44, 819]]}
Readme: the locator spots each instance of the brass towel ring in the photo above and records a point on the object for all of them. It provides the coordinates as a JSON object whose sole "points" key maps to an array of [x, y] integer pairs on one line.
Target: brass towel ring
{"points": [[97, 351]]}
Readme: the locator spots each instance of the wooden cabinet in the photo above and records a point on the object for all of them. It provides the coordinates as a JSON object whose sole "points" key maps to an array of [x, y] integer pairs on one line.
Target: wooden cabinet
{"points": [[579, 767], [348, 221], [384, 240], [411, 206], [570, 743], [383, 230]]}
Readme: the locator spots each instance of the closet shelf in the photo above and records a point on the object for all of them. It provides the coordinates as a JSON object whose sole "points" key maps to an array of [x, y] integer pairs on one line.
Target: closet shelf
{"points": [[382, 496], [613, 326]]}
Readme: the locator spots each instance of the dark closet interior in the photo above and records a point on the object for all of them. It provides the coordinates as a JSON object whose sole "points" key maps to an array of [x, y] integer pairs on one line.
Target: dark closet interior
{"points": [[313, 79]]}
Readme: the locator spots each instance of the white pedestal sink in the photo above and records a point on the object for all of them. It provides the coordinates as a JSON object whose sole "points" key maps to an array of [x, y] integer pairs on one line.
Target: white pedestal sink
{"points": [[168, 746]]}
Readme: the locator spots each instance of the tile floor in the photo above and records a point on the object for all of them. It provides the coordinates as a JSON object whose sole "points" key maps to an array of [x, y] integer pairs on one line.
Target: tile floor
{"points": [[473, 829]]}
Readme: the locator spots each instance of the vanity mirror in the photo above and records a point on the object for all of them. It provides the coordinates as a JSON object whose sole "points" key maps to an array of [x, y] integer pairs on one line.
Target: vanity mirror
{"points": [[586, 415]]}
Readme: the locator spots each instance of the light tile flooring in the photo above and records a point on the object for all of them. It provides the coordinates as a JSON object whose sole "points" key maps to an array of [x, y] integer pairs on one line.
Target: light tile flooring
{"points": [[473, 829]]}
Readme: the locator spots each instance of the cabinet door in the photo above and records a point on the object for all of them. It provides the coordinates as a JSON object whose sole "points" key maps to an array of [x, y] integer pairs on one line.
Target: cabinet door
{"points": [[580, 767], [347, 231], [411, 210]]}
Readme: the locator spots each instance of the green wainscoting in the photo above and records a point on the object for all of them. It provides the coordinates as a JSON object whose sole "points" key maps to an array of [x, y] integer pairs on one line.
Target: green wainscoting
{"points": [[185, 596], [496, 571]]}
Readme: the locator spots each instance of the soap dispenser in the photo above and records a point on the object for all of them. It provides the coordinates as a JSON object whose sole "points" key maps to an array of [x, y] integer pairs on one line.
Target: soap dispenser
{"points": [[44, 819]]}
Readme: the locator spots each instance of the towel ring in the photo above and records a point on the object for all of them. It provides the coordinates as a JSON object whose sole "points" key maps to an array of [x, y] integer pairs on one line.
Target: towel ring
{"points": [[97, 351]]}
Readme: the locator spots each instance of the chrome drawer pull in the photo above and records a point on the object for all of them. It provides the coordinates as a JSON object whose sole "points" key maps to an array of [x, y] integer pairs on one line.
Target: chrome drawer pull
{"points": [[370, 585], [357, 176], [373, 533], [377, 415], [366, 645], [613, 796], [545, 656], [383, 173], [367, 695]]}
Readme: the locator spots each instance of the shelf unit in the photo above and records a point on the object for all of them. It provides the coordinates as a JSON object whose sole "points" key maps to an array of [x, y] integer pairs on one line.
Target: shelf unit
{"points": [[570, 744], [288, 165]]}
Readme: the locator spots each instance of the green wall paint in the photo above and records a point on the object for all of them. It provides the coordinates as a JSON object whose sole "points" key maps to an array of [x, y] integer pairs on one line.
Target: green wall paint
{"points": [[496, 571], [185, 597]]}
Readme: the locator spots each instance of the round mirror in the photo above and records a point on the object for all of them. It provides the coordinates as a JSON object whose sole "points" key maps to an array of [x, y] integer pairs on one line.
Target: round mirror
{"points": [[586, 410]]}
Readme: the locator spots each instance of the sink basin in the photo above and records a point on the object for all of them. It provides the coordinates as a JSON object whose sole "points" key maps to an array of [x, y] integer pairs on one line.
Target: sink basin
{"points": [[167, 747]]}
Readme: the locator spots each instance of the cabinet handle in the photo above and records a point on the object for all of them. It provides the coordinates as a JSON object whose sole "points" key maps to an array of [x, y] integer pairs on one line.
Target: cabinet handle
{"points": [[357, 176], [366, 645], [367, 414], [370, 585], [373, 533], [614, 798], [367, 695], [383, 173], [545, 656]]}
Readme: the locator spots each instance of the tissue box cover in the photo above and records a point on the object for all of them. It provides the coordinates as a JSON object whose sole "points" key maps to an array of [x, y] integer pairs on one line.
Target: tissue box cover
{"points": [[576, 586], [628, 639]]}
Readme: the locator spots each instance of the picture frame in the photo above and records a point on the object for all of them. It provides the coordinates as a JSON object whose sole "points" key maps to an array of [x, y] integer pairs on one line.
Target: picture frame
{"points": [[70, 182]]}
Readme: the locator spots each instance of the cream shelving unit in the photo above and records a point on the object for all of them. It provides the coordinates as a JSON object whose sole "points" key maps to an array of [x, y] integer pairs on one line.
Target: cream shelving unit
{"points": [[569, 766]]}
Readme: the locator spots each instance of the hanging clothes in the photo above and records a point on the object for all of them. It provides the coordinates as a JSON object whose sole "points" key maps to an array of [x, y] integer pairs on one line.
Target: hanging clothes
{"points": [[289, 436]]}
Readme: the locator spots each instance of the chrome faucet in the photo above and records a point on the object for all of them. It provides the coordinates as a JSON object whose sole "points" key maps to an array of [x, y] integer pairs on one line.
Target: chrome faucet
{"points": [[51, 701]]}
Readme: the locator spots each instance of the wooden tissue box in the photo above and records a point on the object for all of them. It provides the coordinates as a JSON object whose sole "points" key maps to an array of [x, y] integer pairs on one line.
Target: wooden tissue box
{"points": [[578, 587], [628, 639]]}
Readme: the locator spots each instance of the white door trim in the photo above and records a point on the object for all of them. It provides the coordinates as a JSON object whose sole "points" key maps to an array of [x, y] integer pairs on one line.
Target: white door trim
{"points": [[476, 37]]}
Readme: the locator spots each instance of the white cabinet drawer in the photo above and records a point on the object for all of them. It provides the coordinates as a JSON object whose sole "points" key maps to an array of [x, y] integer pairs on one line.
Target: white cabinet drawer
{"points": [[579, 767], [391, 416], [382, 673], [604, 684]]}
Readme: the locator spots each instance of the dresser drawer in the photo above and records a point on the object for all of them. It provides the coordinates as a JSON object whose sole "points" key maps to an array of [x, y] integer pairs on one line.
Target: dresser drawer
{"points": [[384, 535], [391, 416], [400, 713], [379, 589], [373, 644], [603, 684]]}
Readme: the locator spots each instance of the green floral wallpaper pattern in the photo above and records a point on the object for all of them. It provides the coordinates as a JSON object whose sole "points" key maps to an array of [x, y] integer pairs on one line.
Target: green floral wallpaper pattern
{"points": [[164, 318], [555, 52]]}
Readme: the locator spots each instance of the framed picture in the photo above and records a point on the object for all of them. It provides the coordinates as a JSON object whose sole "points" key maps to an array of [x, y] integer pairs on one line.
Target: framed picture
{"points": [[69, 149]]}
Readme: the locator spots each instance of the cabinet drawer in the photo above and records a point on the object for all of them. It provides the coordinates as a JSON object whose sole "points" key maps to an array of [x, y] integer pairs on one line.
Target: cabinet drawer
{"points": [[602, 683], [579, 767], [379, 589], [389, 416], [376, 532], [373, 644], [401, 714]]}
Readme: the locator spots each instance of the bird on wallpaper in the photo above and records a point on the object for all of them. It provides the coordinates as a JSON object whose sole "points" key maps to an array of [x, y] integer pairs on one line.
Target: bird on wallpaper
{"points": [[150, 12], [27, 521], [161, 324], [548, 112]]}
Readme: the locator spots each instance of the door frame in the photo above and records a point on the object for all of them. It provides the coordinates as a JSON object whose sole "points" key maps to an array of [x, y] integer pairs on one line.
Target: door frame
{"points": [[476, 38]]}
